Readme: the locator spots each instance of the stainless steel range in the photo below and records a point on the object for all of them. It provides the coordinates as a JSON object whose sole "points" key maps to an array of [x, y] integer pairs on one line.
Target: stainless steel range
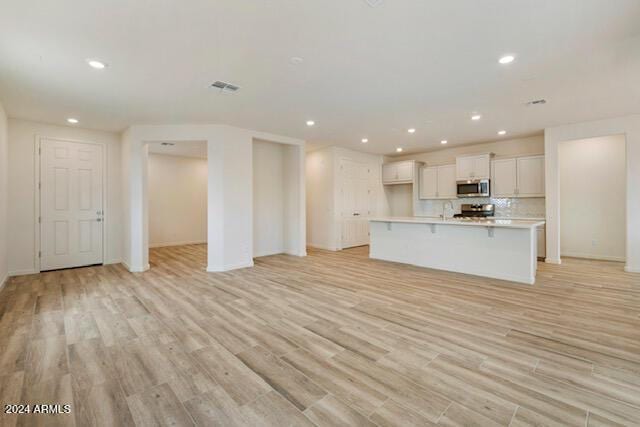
{"points": [[475, 211]]}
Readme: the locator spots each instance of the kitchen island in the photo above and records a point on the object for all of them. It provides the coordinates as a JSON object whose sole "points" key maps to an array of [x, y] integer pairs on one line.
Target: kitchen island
{"points": [[497, 248]]}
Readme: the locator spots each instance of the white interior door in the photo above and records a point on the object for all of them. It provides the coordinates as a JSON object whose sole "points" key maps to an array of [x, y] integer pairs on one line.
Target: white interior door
{"points": [[71, 204], [355, 203]]}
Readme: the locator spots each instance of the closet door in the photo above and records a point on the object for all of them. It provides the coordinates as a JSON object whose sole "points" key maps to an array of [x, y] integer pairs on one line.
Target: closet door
{"points": [[354, 180]]}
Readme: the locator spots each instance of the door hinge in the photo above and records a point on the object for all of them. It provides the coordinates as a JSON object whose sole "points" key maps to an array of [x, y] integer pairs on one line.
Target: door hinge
{"points": [[39, 185], [39, 220], [39, 254], [39, 151]]}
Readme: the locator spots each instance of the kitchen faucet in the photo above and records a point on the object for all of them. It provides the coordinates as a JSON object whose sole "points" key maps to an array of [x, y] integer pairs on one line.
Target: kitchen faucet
{"points": [[444, 208]]}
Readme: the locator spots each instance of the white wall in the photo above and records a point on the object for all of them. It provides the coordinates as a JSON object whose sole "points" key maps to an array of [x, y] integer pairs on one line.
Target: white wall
{"points": [[229, 192], [400, 199], [629, 126], [4, 175], [268, 198], [320, 200], [593, 198], [177, 200], [22, 189], [323, 193]]}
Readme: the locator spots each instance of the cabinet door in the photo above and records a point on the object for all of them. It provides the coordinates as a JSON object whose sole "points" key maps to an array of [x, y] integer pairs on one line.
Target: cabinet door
{"points": [[405, 171], [481, 167], [389, 172], [531, 176], [464, 167], [447, 188], [429, 183], [504, 178], [542, 242]]}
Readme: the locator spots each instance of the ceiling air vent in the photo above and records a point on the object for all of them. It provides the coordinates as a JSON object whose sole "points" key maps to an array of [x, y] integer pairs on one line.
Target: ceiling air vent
{"points": [[374, 3], [536, 102], [225, 87]]}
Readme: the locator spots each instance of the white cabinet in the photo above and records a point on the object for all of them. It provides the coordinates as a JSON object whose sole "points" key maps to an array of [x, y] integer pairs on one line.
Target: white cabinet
{"points": [[504, 182], [518, 177], [531, 176], [398, 172], [447, 187], [438, 182], [473, 167], [542, 242], [429, 183]]}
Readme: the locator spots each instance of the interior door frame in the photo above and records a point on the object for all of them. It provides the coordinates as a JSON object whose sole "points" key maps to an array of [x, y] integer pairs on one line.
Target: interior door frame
{"points": [[38, 194]]}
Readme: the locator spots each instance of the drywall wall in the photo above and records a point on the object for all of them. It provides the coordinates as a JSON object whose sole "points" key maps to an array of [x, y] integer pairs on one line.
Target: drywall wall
{"points": [[503, 148], [268, 198], [320, 200], [229, 192], [593, 198], [324, 206], [4, 175], [177, 200], [23, 135], [629, 126], [400, 199]]}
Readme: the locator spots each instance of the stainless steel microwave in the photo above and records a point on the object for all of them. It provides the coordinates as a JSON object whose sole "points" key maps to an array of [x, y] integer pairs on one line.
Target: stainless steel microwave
{"points": [[473, 188]]}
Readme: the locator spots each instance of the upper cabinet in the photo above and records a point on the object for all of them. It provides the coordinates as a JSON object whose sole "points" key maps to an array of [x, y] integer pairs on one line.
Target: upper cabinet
{"points": [[398, 172], [438, 182], [476, 166], [519, 177]]}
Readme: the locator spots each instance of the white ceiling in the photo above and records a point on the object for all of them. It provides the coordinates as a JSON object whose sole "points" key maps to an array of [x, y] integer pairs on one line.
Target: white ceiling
{"points": [[367, 72], [197, 149]]}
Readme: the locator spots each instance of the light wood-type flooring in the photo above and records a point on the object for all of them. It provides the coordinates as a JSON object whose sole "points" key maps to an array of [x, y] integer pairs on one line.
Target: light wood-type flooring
{"points": [[330, 339]]}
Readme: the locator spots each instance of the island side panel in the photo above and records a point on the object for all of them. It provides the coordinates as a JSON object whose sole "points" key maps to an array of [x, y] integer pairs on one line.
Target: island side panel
{"points": [[505, 253]]}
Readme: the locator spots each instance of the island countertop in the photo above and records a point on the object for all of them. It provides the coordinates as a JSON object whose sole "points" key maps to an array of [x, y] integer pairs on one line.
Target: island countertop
{"points": [[481, 222]]}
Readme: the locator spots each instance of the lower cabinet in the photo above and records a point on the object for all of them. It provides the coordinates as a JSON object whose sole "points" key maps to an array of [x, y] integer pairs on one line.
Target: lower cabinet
{"points": [[542, 242]]}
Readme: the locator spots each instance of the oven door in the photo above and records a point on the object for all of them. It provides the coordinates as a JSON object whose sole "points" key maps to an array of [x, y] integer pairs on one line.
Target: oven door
{"points": [[478, 188]]}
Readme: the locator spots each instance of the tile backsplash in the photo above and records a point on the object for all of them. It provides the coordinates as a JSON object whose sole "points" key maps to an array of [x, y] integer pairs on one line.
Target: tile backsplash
{"points": [[505, 207]]}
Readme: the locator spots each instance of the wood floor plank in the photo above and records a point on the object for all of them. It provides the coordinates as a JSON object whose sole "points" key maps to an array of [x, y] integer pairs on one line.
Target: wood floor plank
{"points": [[333, 338]]}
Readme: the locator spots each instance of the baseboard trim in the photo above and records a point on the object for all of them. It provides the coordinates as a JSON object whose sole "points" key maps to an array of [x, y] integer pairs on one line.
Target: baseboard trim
{"points": [[594, 257], [135, 270], [553, 260], [3, 282], [631, 269], [22, 272], [184, 243], [323, 247], [229, 267]]}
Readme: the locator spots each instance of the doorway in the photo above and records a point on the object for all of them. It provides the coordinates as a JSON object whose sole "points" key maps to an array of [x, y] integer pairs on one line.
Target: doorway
{"points": [[593, 193], [356, 208], [71, 204]]}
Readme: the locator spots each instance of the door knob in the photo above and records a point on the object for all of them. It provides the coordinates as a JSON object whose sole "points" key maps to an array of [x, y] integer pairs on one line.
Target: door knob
{"points": [[99, 219]]}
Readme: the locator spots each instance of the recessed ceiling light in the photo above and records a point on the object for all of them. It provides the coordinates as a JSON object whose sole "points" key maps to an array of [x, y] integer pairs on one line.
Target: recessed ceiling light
{"points": [[506, 59], [444, 141], [476, 117], [365, 140], [310, 123], [72, 120], [412, 130], [399, 150], [98, 65], [296, 60], [502, 132]]}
